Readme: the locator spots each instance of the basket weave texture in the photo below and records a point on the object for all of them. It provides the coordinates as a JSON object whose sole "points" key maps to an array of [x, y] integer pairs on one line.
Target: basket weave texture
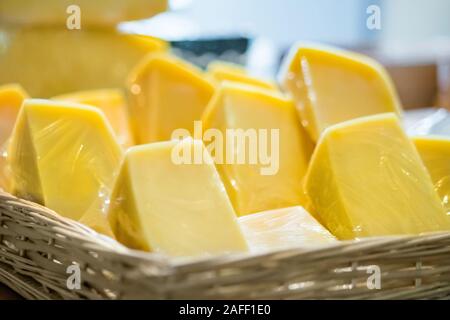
{"points": [[37, 246]]}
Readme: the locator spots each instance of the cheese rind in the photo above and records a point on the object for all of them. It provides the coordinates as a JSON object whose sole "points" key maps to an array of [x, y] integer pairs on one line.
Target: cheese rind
{"points": [[330, 86], [284, 228], [112, 103], [259, 113], [435, 153], [63, 156], [367, 179], [92, 13], [177, 209], [54, 61], [11, 98], [221, 71], [166, 94]]}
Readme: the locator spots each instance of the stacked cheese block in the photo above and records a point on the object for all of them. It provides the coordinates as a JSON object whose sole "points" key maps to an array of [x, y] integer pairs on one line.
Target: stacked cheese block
{"points": [[345, 167], [58, 46]]}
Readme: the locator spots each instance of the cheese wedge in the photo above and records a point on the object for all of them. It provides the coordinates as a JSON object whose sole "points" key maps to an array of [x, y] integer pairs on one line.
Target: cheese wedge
{"points": [[221, 71], [331, 85], [366, 178], [113, 104], [166, 94], [63, 156], [91, 13], [53, 61], [435, 153], [11, 98], [179, 209], [282, 229], [264, 152]]}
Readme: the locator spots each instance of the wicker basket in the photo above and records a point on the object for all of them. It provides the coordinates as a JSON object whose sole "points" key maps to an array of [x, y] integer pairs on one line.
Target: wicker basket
{"points": [[37, 246]]}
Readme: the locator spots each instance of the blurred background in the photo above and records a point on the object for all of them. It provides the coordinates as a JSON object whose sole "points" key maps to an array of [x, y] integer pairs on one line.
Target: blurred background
{"points": [[410, 37]]}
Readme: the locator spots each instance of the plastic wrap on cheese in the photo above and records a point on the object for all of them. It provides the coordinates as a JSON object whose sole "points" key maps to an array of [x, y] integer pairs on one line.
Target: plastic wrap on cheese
{"points": [[11, 98], [113, 104], [179, 208], [330, 85], [366, 178], [64, 156], [435, 153], [428, 121], [276, 147], [166, 94], [282, 229]]}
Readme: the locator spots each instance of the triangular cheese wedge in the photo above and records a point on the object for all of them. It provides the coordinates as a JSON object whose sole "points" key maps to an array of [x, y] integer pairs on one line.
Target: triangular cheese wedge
{"points": [[366, 178], [166, 94], [63, 156], [331, 85], [180, 209], [264, 152]]}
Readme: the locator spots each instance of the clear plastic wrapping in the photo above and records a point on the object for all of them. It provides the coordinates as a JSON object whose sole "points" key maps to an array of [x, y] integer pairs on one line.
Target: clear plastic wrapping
{"points": [[367, 179], [65, 156], [282, 229], [428, 121]]}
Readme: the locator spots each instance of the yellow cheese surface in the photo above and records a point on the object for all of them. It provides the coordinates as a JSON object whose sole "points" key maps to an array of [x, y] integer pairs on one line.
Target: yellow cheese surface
{"points": [[64, 156], [54, 61], [366, 178], [177, 209], [113, 104], [255, 111], [435, 153], [11, 98], [92, 12], [284, 228], [166, 94], [221, 71], [332, 85]]}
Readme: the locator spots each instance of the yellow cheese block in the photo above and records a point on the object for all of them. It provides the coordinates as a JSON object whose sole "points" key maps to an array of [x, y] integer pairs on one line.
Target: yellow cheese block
{"points": [[366, 178], [53, 61], [269, 125], [64, 156], [113, 104], [92, 12], [284, 228], [166, 94], [435, 153], [221, 71], [11, 98], [176, 209], [331, 85]]}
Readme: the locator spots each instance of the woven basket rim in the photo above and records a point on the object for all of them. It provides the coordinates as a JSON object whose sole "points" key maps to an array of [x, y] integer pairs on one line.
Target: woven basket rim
{"points": [[107, 244]]}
